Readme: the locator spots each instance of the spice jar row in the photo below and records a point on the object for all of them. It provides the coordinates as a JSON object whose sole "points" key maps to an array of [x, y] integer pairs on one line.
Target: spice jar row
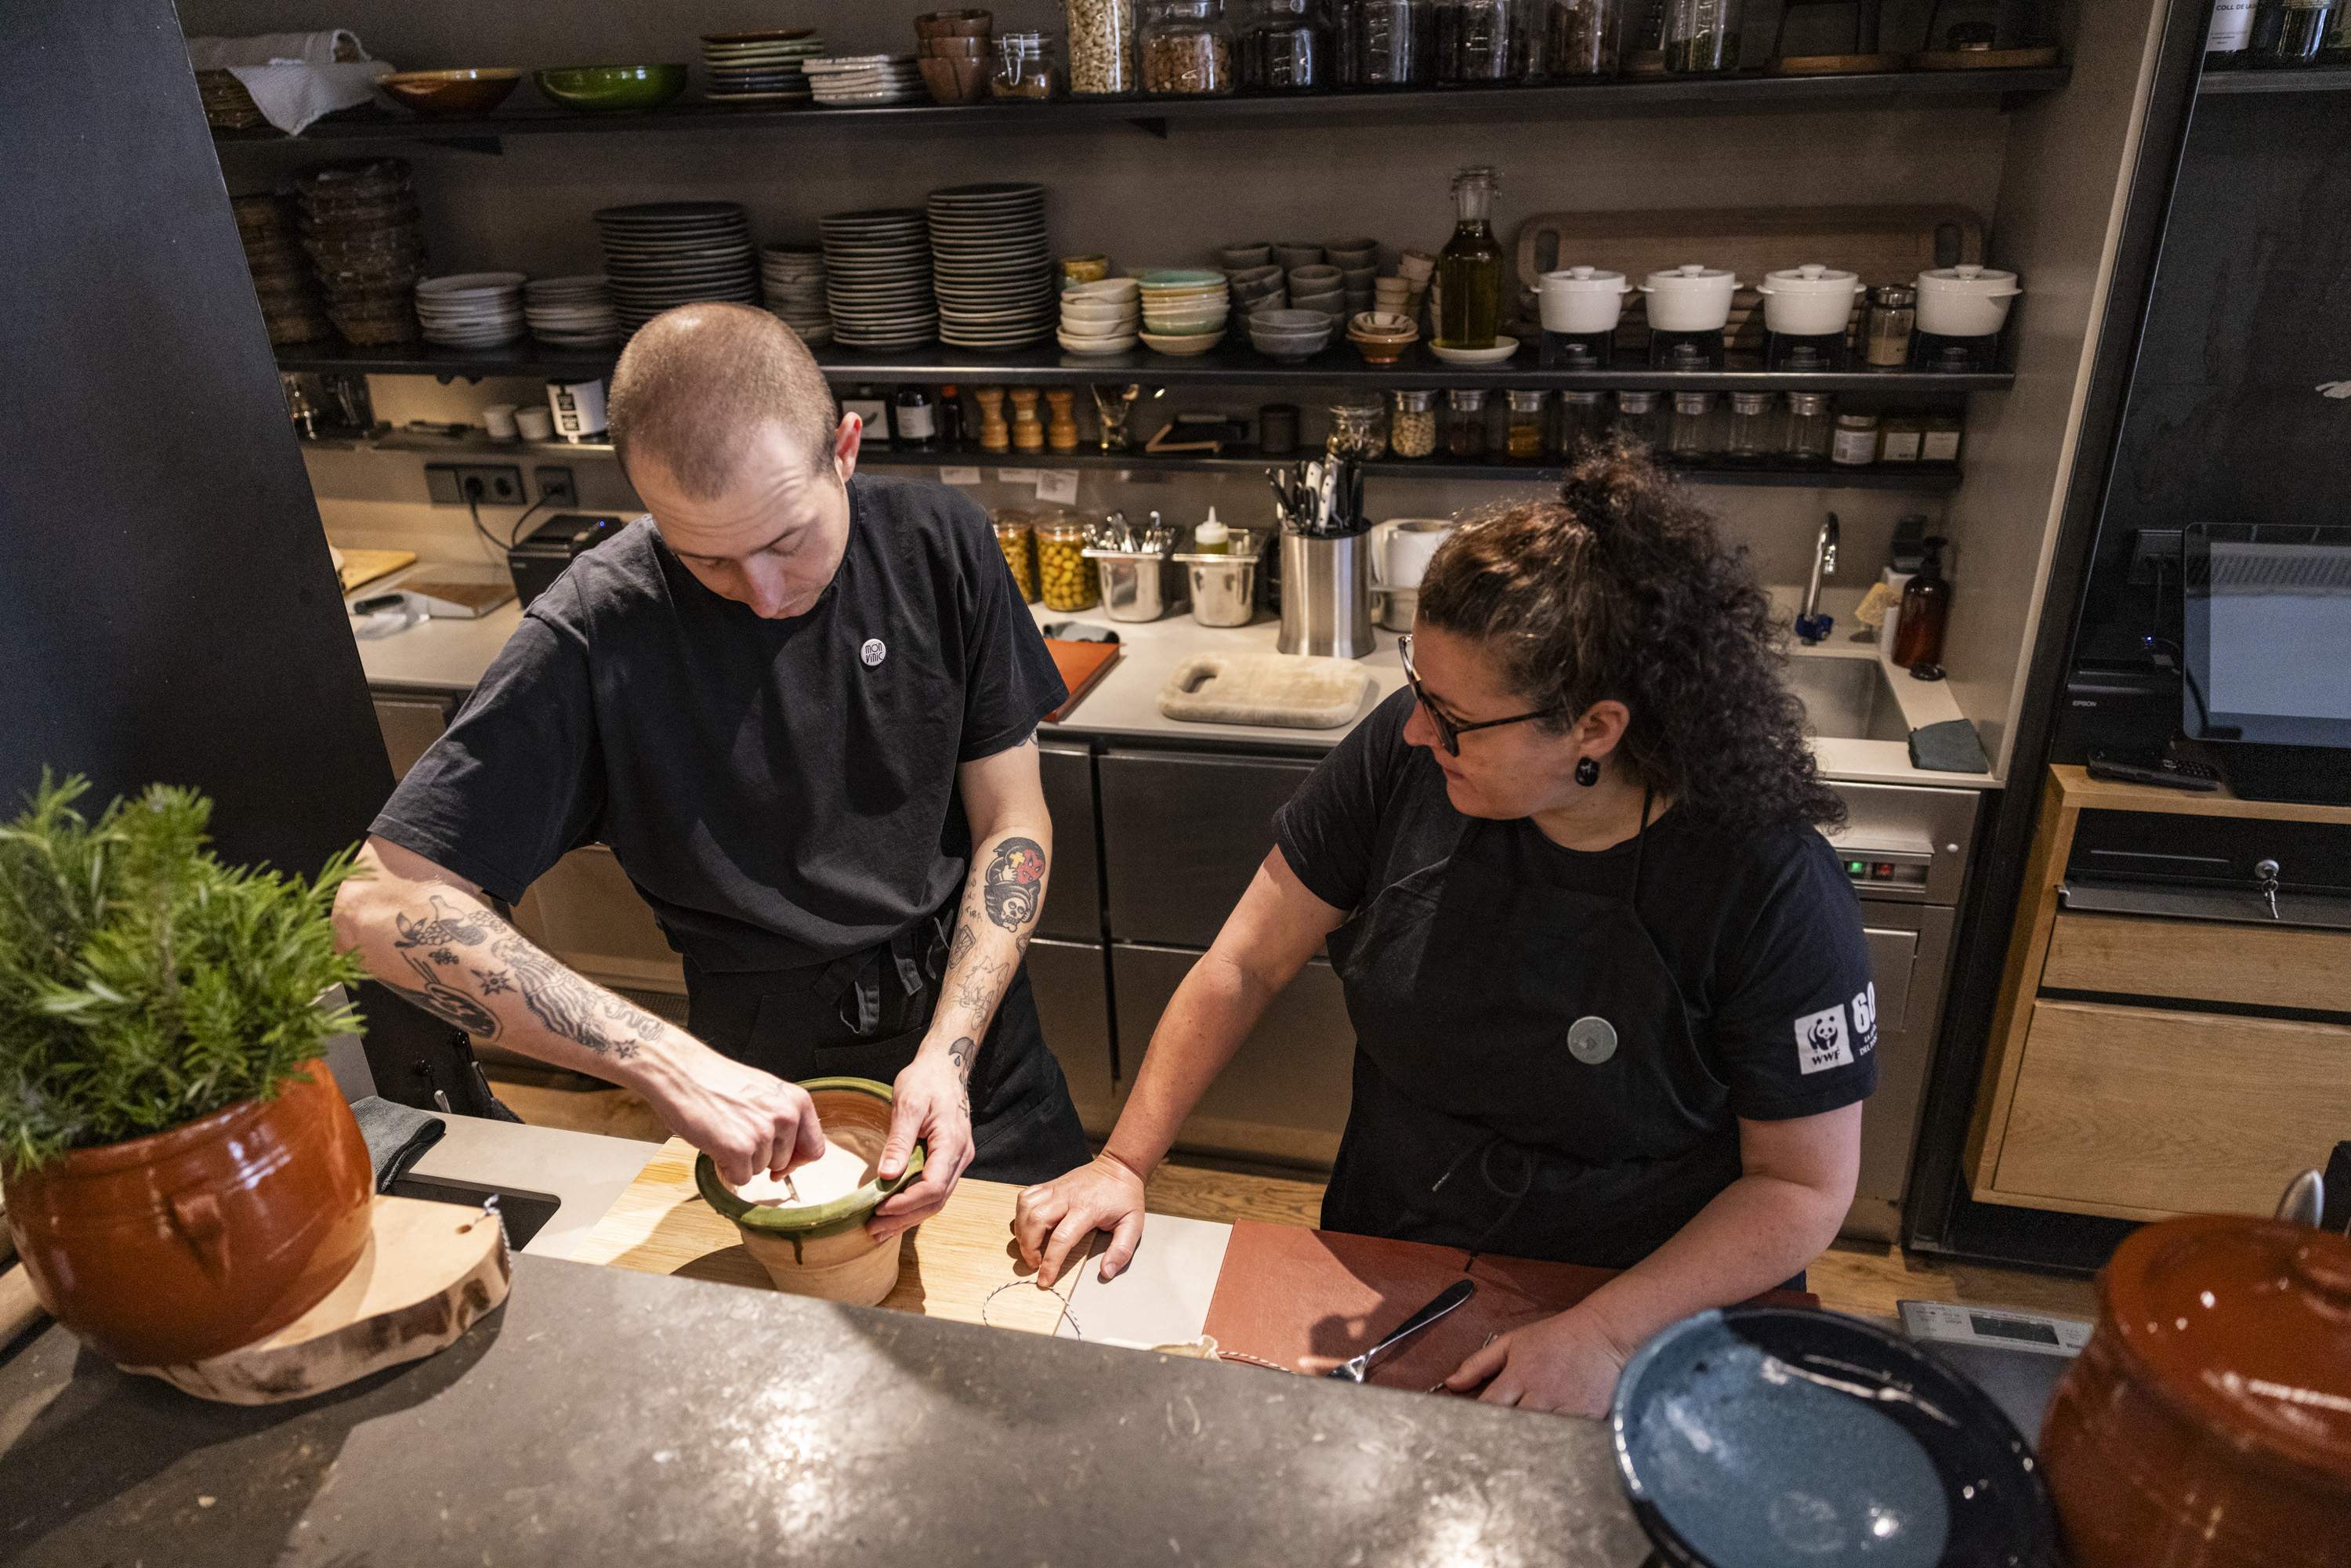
{"points": [[1690, 429]]}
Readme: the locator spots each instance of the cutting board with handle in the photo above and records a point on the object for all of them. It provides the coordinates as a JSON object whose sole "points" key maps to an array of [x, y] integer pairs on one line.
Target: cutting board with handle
{"points": [[1308, 1299], [1287, 690], [1884, 245]]}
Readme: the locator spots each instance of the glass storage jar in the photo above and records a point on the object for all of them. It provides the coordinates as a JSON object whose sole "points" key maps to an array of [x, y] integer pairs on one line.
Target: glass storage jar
{"points": [[1481, 40], [1025, 67], [1286, 47], [1065, 577], [1017, 541], [1753, 438], [1885, 330], [1581, 39], [1187, 47], [1524, 439], [1355, 429], [1411, 423], [1702, 36], [1899, 437], [1583, 420], [2288, 32], [1938, 438], [1855, 443], [1636, 416], [1386, 43], [1465, 423], [1101, 47], [1689, 437], [1809, 428]]}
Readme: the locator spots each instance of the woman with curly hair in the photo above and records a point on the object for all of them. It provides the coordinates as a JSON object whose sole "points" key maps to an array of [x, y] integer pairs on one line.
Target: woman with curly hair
{"points": [[1611, 998]]}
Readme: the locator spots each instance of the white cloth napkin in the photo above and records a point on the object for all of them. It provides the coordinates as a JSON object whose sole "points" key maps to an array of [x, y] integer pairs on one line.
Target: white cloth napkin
{"points": [[294, 78]]}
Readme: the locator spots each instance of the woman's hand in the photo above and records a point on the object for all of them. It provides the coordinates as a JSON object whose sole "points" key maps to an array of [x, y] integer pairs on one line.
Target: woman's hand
{"points": [[1055, 1216], [928, 1102], [1564, 1363]]}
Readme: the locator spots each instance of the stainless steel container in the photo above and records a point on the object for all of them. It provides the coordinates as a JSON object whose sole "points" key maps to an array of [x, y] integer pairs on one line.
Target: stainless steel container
{"points": [[1326, 595], [1137, 587], [1223, 586]]}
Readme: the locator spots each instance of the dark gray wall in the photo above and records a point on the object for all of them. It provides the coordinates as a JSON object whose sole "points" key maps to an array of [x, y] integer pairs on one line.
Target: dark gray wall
{"points": [[168, 610]]}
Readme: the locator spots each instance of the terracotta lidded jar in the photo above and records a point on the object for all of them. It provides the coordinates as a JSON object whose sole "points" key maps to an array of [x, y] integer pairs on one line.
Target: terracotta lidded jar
{"points": [[2209, 1421]]}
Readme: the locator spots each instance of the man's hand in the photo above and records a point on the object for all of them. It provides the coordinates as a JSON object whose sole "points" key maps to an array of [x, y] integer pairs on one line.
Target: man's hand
{"points": [[1059, 1214], [930, 1103], [1564, 1363], [747, 1120]]}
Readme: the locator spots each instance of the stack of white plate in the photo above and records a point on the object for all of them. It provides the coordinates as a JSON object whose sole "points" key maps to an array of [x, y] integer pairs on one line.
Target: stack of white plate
{"points": [[793, 277], [991, 267], [1184, 312], [570, 312], [877, 278], [471, 309], [663, 253], [759, 67], [866, 78], [1099, 318]]}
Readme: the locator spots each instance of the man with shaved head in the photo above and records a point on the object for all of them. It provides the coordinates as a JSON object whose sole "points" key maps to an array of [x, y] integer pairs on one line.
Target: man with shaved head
{"points": [[800, 707]]}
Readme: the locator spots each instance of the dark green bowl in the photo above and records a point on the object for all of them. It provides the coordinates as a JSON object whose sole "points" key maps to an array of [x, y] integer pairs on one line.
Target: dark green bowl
{"points": [[611, 89], [842, 1104]]}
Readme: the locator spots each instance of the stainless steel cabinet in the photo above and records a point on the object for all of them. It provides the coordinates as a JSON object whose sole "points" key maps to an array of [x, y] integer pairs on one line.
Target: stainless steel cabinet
{"points": [[1073, 895], [1284, 1097], [1072, 982], [1182, 834], [1909, 957]]}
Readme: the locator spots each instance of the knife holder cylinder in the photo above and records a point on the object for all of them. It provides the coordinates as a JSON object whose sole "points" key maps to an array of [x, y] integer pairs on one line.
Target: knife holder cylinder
{"points": [[1326, 596]]}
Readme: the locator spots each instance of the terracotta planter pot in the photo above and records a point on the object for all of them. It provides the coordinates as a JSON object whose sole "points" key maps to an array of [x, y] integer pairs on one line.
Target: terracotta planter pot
{"points": [[189, 1243]]}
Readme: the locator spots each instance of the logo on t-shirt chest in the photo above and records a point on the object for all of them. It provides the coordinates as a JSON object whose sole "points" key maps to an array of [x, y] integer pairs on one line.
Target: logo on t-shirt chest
{"points": [[873, 652]]}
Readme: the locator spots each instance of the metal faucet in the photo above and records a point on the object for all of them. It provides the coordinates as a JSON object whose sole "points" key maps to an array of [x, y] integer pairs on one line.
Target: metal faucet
{"points": [[1812, 626]]}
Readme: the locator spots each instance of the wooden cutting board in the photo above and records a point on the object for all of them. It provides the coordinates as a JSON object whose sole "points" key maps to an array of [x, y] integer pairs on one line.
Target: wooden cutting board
{"points": [[1082, 668], [1290, 690], [954, 1265], [1311, 1298], [361, 567]]}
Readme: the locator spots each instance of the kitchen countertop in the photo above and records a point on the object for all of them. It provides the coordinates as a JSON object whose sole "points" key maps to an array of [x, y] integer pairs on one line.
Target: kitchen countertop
{"points": [[586, 1172], [606, 1417], [449, 656]]}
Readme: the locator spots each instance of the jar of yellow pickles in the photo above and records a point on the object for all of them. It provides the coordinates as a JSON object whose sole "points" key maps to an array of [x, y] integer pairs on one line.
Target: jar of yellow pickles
{"points": [[1018, 541], [1064, 575]]}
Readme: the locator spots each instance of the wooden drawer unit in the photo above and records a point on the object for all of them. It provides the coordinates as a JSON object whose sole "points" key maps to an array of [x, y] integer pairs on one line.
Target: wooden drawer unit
{"points": [[1183, 834], [2145, 1113], [2201, 961]]}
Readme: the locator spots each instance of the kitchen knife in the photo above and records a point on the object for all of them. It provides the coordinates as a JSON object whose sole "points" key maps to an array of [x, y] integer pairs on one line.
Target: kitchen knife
{"points": [[1452, 1296]]}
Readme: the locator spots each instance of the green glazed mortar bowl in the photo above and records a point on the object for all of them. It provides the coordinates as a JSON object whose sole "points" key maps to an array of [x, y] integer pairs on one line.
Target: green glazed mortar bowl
{"points": [[824, 1218], [611, 89]]}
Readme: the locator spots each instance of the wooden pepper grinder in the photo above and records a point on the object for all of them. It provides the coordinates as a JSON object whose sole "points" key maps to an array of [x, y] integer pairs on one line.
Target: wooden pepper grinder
{"points": [[994, 435], [1027, 433], [1062, 429]]}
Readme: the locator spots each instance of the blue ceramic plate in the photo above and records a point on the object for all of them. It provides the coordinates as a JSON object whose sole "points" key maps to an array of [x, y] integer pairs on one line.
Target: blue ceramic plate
{"points": [[1767, 1437]]}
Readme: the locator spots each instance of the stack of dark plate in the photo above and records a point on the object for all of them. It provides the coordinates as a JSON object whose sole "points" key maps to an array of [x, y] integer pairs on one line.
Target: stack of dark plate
{"points": [[281, 273], [570, 312], [472, 309], [664, 254], [991, 267], [877, 278], [366, 240], [761, 68], [793, 275], [862, 80]]}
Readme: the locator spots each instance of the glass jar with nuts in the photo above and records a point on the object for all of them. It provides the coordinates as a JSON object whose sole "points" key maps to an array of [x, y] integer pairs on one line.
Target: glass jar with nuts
{"points": [[1101, 47], [1186, 48], [1412, 429], [1064, 575]]}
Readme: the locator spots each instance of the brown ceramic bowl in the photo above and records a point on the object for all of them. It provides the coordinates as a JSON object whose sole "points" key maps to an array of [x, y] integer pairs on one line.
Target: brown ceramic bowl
{"points": [[954, 81], [955, 24], [452, 94]]}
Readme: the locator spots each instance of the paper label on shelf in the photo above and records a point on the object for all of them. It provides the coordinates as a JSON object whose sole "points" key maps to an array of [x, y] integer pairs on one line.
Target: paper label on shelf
{"points": [[1017, 475], [959, 475], [1058, 484]]}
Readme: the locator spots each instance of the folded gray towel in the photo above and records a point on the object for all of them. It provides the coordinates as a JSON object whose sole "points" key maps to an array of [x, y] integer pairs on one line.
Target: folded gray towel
{"points": [[1950, 746], [397, 1136]]}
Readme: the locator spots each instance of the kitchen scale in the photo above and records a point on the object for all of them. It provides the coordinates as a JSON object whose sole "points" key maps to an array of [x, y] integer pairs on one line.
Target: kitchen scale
{"points": [[2015, 1356]]}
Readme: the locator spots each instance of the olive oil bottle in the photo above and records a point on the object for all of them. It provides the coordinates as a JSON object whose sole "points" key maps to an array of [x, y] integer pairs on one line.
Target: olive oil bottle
{"points": [[1469, 269]]}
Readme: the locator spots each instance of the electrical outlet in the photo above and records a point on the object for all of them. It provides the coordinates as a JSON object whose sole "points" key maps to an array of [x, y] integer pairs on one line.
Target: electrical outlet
{"points": [[2154, 552], [485, 484], [555, 487]]}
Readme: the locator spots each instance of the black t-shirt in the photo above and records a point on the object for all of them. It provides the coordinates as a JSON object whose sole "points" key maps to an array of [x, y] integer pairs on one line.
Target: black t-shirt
{"points": [[781, 792], [1760, 930]]}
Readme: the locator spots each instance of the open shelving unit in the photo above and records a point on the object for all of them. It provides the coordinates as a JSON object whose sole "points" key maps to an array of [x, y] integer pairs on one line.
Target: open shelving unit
{"points": [[2299, 79]]}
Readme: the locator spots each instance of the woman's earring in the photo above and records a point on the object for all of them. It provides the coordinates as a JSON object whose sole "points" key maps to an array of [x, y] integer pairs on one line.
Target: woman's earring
{"points": [[1587, 772]]}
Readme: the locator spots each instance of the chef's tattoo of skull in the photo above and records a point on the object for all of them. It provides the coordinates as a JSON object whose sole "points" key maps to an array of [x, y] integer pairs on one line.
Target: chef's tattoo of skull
{"points": [[572, 1009], [425, 945], [1014, 884]]}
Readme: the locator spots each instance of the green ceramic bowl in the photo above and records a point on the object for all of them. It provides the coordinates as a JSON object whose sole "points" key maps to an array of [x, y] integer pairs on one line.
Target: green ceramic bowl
{"points": [[611, 89], [854, 1110]]}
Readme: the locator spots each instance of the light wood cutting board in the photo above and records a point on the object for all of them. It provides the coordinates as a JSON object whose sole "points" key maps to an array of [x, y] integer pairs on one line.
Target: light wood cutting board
{"points": [[361, 567], [952, 1264], [1288, 690]]}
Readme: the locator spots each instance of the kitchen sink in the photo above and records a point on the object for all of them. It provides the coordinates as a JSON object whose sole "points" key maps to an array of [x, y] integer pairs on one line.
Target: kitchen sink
{"points": [[1846, 699]]}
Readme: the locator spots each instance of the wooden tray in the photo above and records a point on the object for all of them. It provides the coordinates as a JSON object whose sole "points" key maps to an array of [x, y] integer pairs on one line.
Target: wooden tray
{"points": [[1082, 668], [953, 1263], [1884, 245], [361, 567]]}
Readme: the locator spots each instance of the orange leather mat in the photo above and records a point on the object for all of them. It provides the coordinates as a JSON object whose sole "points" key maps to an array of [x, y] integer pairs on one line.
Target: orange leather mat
{"points": [[1311, 1298]]}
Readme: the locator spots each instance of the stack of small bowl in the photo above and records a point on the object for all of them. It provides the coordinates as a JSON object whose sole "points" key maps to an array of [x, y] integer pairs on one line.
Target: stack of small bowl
{"points": [[1100, 317], [1382, 336], [1392, 295], [956, 52], [281, 275], [1358, 264], [1256, 288], [1317, 287], [1184, 312], [1289, 335], [1416, 267]]}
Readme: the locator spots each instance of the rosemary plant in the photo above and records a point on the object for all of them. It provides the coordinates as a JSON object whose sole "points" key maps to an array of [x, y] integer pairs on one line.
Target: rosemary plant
{"points": [[143, 983]]}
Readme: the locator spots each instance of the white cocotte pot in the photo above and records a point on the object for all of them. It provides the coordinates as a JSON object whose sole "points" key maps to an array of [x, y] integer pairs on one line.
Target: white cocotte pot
{"points": [[1583, 299], [1965, 301], [1691, 298], [1808, 302]]}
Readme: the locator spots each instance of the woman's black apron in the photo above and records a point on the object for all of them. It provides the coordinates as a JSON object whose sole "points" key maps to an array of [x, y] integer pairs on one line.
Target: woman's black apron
{"points": [[864, 1017], [1527, 1077]]}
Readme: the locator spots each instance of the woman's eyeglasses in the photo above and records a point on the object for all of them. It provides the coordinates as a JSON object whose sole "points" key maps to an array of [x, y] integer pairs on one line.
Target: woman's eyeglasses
{"points": [[1449, 731]]}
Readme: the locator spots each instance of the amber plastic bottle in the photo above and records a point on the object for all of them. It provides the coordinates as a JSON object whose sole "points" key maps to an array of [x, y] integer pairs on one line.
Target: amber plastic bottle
{"points": [[1926, 611]]}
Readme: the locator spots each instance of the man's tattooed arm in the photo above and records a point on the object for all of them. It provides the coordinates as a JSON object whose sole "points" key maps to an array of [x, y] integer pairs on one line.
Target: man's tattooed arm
{"points": [[441, 948]]}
